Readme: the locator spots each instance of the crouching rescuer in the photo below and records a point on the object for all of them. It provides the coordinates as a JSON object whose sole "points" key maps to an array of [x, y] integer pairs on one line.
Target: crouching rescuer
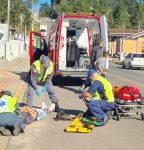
{"points": [[10, 116], [101, 95], [41, 74]]}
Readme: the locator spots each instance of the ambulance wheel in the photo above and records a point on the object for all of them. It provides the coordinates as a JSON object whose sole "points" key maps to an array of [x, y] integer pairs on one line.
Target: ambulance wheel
{"points": [[123, 66], [142, 117]]}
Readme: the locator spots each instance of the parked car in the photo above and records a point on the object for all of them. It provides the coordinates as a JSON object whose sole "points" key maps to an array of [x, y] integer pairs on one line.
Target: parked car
{"points": [[133, 61]]}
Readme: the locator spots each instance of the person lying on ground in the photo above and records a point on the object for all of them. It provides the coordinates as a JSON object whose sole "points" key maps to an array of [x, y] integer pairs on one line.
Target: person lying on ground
{"points": [[10, 116], [30, 115]]}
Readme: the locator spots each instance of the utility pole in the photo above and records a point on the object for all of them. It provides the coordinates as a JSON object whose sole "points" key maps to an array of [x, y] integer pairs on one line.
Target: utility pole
{"points": [[32, 16], [54, 4], [21, 18], [123, 36], [8, 20], [122, 42], [139, 24]]}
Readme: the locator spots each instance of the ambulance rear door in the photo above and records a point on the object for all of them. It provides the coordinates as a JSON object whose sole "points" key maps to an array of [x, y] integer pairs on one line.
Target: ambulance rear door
{"points": [[104, 31], [37, 46]]}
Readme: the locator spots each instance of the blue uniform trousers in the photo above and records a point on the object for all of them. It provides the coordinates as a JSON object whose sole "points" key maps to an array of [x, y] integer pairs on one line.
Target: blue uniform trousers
{"points": [[99, 108], [11, 119]]}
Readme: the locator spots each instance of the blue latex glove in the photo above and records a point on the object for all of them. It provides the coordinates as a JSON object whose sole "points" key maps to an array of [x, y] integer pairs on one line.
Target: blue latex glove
{"points": [[38, 93], [43, 89]]}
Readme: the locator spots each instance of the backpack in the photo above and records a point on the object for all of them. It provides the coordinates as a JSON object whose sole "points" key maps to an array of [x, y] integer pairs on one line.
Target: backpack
{"points": [[128, 93], [115, 90]]}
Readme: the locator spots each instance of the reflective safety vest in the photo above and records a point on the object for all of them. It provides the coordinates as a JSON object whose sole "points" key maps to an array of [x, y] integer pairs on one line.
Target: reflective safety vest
{"points": [[7, 104], [107, 90], [40, 75]]}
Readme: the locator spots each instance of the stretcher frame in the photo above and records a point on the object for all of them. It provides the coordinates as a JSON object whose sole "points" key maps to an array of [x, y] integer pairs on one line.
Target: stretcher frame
{"points": [[130, 109]]}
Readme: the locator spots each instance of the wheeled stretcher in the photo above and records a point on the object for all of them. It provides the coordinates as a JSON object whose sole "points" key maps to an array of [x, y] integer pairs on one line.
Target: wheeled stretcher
{"points": [[130, 109]]}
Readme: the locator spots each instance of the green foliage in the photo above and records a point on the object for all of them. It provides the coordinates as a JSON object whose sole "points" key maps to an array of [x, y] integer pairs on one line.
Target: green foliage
{"points": [[3, 11], [36, 28], [121, 18], [18, 8], [120, 13], [44, 10], [138, 16]]}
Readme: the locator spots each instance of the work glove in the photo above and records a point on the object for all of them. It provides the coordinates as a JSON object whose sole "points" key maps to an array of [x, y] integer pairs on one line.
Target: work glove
{"points": [[43, 89], [38, 93], [82, 87]]}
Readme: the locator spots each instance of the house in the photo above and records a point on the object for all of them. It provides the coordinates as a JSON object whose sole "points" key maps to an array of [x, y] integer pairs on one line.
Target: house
{"points": [[126, 41]]}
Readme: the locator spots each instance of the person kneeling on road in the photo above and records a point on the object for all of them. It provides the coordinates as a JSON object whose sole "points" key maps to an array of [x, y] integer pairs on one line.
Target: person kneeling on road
{"points": [[102, 97], [10, 117], [41, 74]]}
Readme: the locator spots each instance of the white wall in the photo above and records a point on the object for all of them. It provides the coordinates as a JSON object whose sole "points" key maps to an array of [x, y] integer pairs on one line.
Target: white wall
{"points": [[3, 30], [10, 50]]}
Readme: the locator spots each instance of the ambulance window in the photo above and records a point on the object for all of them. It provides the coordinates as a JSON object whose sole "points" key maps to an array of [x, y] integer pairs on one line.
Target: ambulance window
{"points": [[36, 41], [52, 41], [39, 47], [39, 42], [95, 27]]}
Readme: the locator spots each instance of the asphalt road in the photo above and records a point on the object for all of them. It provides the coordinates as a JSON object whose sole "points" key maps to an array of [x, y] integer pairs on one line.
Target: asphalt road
{"points": [[119, 76], [48, 134]]}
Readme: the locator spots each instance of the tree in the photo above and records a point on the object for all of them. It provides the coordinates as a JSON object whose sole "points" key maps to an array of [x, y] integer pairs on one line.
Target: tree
{"points": [[53, 2], [17, 9], [44, 10], [77, 6], [138, 16], [3, 10], [121, 16]]}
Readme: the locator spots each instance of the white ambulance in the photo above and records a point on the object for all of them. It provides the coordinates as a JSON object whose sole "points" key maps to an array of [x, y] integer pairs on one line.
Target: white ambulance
{"points": [[70, 43]]}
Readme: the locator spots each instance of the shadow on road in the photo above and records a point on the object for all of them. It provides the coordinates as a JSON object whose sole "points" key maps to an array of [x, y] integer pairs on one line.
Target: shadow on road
{"points": [[62, 82], [67, 81], [23, 75], [72, 111], [71, 89], [140, 69]]}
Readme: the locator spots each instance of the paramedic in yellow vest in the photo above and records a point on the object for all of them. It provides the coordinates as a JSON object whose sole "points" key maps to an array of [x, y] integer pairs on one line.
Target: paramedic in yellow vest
{"points": [[101, 95], [10, 117], [41, 74]]}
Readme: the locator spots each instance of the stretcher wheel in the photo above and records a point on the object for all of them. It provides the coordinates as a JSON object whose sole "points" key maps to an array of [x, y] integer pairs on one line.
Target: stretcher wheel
{"points": [[116, 113], [117, 116], [142, 117]]}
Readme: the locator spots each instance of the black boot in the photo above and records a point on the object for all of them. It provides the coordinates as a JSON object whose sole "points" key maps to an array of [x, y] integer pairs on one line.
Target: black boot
{"points": [[61, 115], [17, 130], [5, 131], [57, 108]]}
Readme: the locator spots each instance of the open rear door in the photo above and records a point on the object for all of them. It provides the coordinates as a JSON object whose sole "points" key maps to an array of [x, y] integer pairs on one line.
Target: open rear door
{"points": [[37, 46], [104, 31]]}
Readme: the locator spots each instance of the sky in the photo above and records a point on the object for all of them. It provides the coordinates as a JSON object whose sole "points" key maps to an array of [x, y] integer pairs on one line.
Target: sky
{"points": [[37, 5], [43, 1]]}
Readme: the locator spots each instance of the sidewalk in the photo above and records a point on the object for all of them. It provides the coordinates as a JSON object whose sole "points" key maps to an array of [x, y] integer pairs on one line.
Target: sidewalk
{"points": [[12, 74]]}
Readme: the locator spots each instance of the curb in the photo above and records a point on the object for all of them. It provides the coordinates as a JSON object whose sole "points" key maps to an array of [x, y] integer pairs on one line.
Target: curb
{"points": [[117, 62], [20, 92]]}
